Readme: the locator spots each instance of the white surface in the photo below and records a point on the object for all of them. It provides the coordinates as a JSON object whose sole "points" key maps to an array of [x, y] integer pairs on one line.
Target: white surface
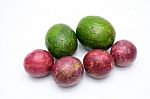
{"points": [[24, 23]]}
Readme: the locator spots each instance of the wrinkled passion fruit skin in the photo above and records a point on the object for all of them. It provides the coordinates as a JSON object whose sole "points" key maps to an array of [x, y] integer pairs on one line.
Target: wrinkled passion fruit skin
{"points": [[124, 53], [67, 71], [98, 63], [38, 63]]}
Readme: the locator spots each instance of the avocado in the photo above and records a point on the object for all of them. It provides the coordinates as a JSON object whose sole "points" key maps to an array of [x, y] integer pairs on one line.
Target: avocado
{"points": [[95, 32], [61, 40]]}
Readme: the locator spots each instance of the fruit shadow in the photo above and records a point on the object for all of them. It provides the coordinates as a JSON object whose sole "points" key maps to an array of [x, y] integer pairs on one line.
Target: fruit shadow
{"points": [[68, 88], [38, 79], [87, 49], [98, 80], [123, 68], [84, 47], [81, 51]]}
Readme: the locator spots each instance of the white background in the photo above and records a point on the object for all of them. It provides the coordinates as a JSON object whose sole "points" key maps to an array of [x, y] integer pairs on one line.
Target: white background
{"points": [[23, 26]]}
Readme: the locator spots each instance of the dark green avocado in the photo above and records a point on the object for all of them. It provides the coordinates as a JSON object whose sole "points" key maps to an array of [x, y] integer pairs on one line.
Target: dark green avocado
{"points": [[61, 40]]}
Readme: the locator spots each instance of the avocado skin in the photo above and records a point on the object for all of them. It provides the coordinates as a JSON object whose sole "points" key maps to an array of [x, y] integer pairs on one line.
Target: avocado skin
{"points": [[95, 32], [61, 40]]}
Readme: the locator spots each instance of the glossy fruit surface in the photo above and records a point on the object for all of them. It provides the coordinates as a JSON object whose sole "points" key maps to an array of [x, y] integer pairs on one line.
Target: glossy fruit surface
{"points": [[98, 63], [67, 71], [38, 63], [124, 53]]}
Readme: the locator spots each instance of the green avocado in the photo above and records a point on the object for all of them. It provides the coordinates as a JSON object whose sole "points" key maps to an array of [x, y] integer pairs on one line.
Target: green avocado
{"points": [[61, 40], [95, 32]]}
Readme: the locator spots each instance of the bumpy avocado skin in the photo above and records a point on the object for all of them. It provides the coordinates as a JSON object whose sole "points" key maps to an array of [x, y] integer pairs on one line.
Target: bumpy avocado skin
{"points": [[95, 32], [61, 40]]}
